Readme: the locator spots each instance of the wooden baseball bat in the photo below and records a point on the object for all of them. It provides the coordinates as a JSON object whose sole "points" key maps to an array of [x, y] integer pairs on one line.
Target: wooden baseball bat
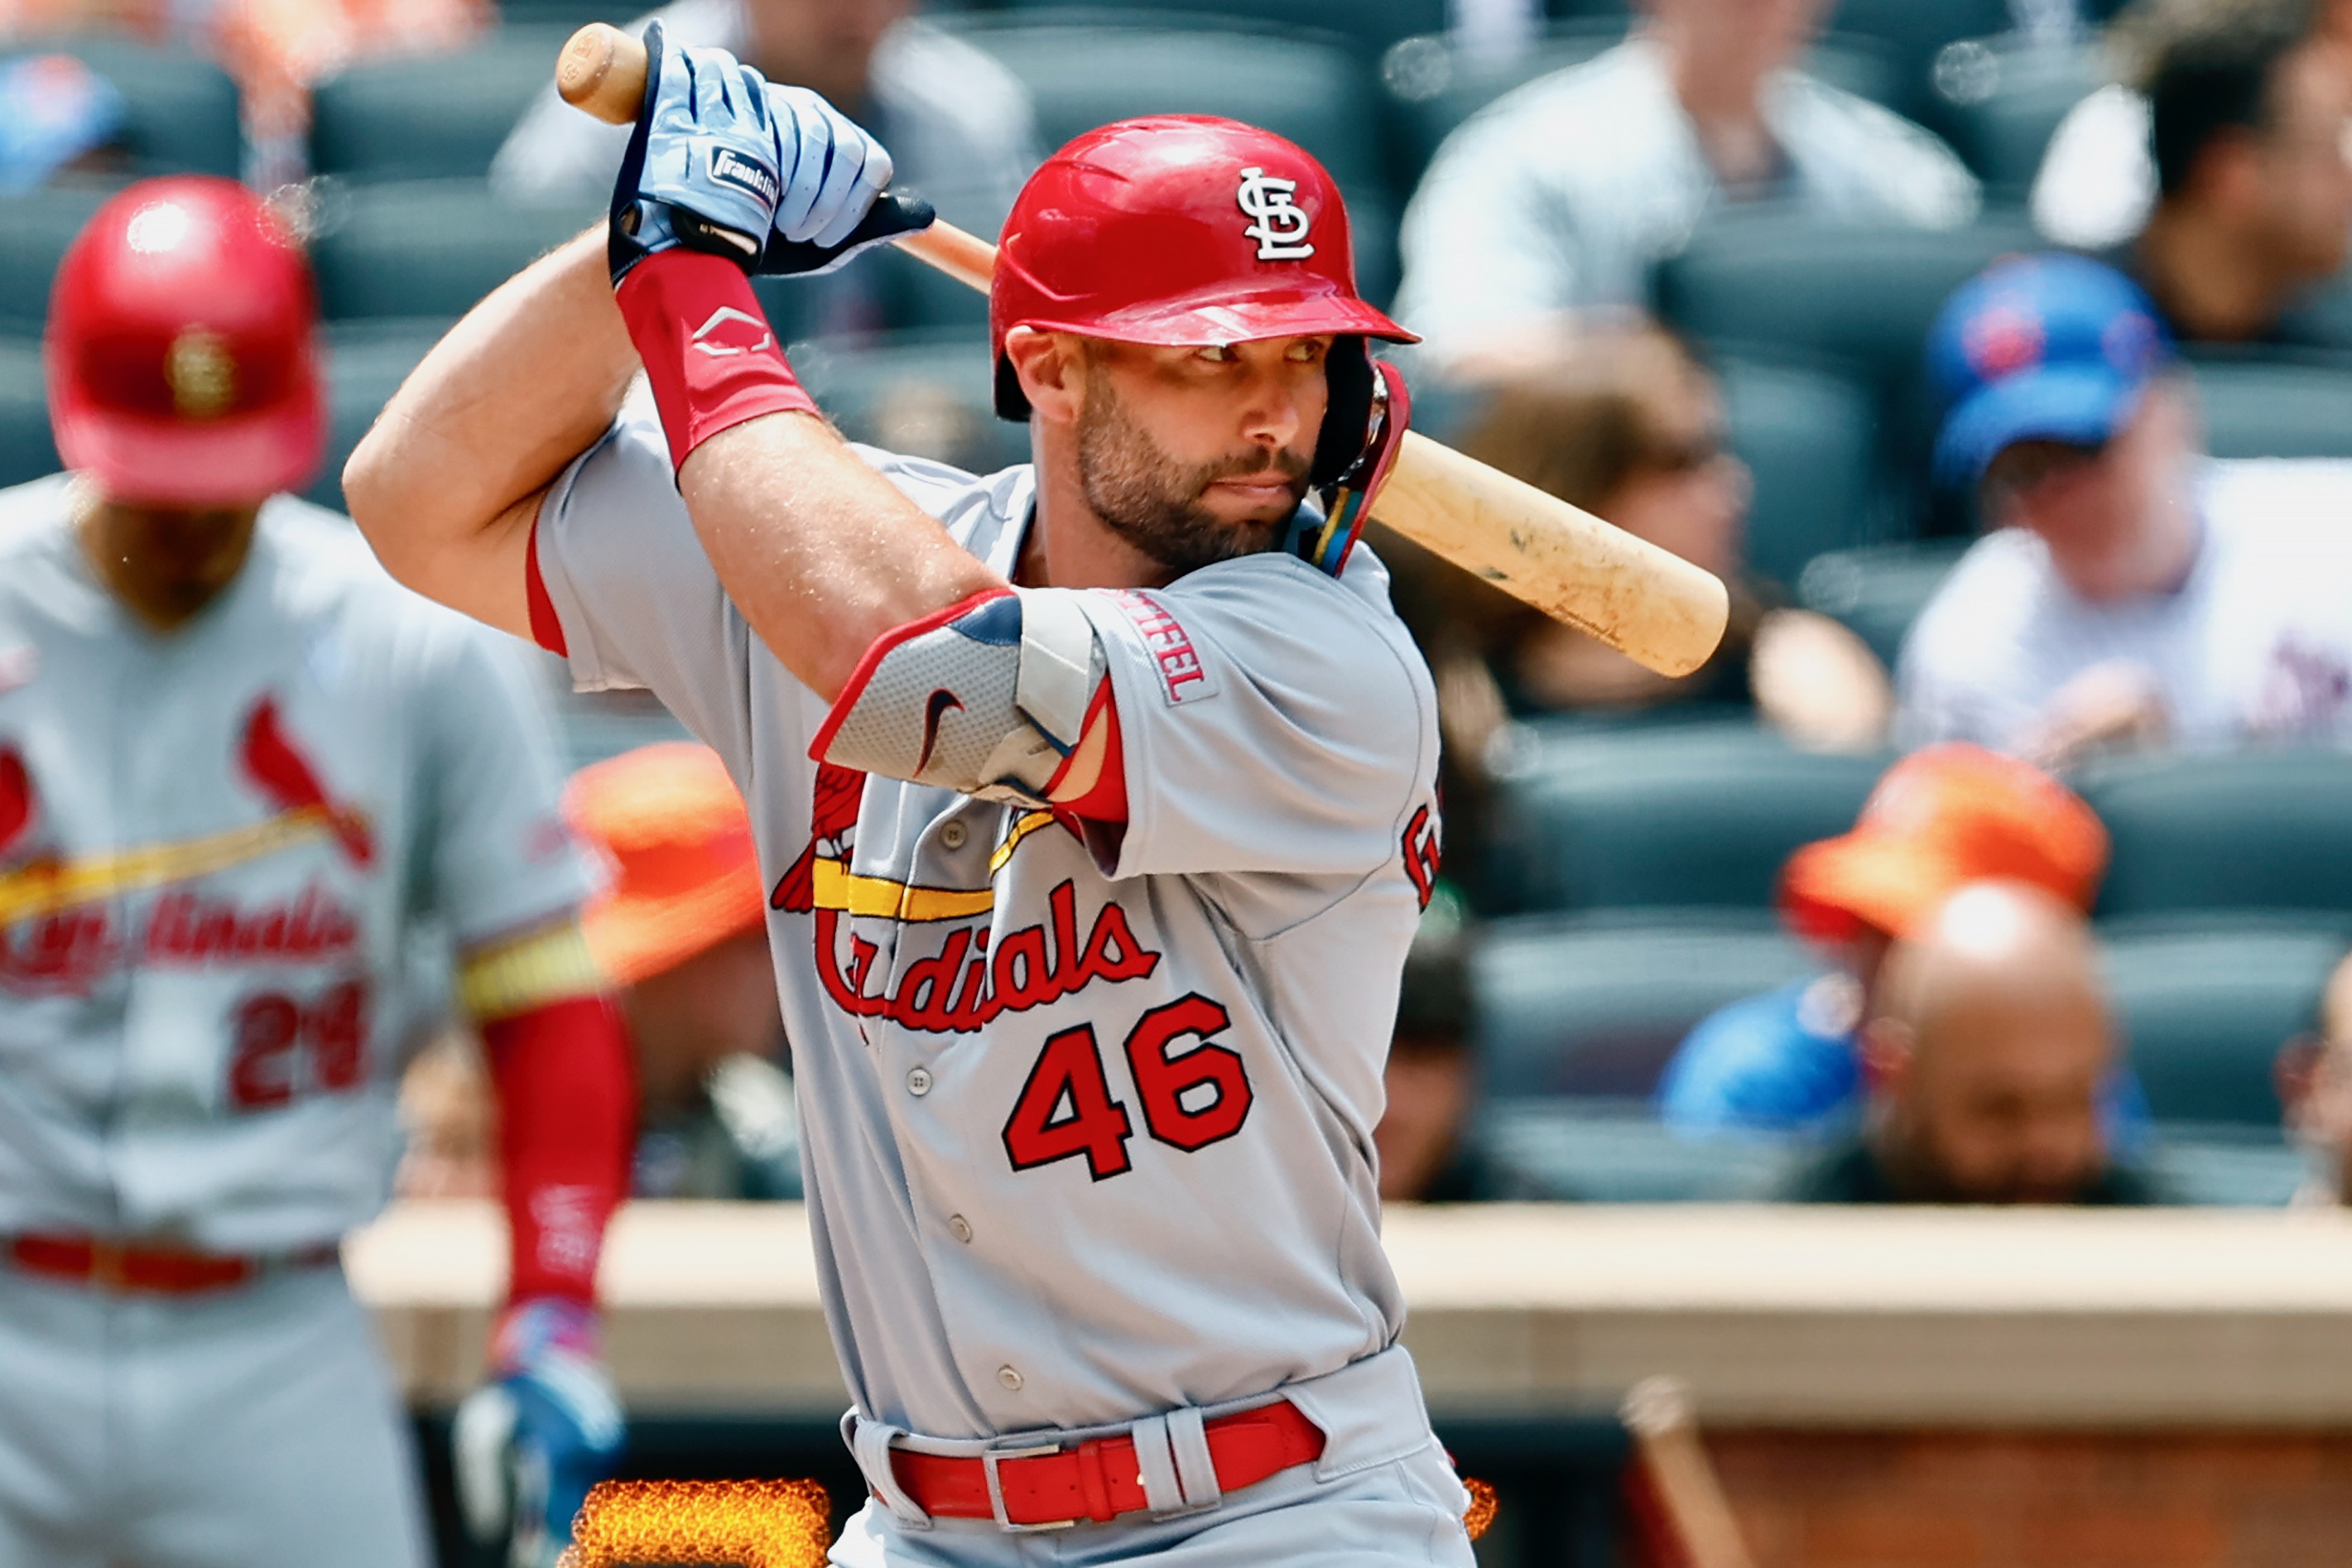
{"points": [[1639, 599], [1659, 1413]]}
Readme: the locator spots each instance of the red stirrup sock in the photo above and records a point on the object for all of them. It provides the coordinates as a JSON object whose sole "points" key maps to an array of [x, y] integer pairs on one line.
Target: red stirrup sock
{"points": [[708, 348]]}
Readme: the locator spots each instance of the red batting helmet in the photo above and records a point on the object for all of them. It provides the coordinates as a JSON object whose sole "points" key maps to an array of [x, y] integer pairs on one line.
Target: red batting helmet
{"points": [[1178, 229], [182, 366]]}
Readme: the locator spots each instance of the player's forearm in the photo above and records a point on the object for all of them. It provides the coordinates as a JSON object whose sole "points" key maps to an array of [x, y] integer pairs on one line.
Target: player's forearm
{"points": [[819, 553], [527, 381]]}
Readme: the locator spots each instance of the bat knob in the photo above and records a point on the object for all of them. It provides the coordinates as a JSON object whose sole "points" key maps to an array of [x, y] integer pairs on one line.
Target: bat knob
{"points": [[602, 72]]}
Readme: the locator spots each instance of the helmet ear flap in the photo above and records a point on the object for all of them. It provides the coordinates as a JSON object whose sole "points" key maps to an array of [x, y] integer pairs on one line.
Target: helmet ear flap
{"points": [[1011, 403], [1347, 416]]}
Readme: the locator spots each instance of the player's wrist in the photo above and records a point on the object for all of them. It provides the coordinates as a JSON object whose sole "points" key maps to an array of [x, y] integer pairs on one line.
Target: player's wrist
{"points": [[708, 348], [532, 1330]]}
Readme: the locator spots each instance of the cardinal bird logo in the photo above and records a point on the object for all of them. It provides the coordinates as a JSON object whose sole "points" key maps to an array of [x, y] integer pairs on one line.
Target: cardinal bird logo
{"points": [[288, 782], [15, 798], [833, 817]]}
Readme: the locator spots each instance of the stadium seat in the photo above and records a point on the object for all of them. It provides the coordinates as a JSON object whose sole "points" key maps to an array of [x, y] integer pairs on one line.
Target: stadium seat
{"points": [[366, 363], [1666, 815], [1860, 299], [924, 395], [1878, 590], [35, 229], [2240, 830], [27, 451], [2205, 1006], [1862, 295], [429, 248], [1316, 92], [1915, 32], [2000, 103], [181, 110], [1370, 25], [1810, 439], [2257, 409], [572, 12], [1606, 1152], [1580, 1007], [1435, 84], [430, 117]]}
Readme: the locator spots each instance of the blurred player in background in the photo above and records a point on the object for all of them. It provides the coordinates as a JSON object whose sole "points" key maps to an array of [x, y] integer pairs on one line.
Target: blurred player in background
{"points": [[682, 930], [250, 791], [679, 930], [2132, 592]]}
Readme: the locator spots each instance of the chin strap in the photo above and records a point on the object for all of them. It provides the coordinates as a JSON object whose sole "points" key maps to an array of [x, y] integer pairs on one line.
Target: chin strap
{"points": [[1324, 541]]}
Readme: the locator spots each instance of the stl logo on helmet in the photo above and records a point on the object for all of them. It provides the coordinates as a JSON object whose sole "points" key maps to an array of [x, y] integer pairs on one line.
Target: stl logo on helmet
{"points": [[201, 373], [1277, 221]]}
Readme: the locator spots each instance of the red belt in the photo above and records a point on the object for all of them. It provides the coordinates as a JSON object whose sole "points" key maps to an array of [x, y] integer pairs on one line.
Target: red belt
{"points": [[1098, 1479], [154, 1270]]}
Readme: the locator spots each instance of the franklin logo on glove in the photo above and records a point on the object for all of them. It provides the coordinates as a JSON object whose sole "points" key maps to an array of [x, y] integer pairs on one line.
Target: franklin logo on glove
{"points": [[731, 168]]}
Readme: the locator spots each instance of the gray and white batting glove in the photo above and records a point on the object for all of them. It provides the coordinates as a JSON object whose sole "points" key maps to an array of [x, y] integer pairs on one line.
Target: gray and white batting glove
{"points": [[832, 170], [701, 166]]}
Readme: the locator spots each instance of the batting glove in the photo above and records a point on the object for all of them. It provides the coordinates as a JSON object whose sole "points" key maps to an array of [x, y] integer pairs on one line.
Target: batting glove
{"points": [[529, 1445], [701, 169]]}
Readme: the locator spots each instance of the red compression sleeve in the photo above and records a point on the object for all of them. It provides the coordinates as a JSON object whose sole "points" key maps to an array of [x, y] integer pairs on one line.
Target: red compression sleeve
{"points": [[713, 359], [567, 1115]]}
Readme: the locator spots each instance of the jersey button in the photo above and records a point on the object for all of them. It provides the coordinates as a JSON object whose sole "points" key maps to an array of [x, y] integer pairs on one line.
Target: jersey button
{"points": [[919, 1081], [960, 1227], [952, 834], [1009, 1377]]}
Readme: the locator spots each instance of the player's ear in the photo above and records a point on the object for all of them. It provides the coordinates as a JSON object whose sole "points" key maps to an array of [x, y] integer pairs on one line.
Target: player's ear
{"points": [[1051, 370]]}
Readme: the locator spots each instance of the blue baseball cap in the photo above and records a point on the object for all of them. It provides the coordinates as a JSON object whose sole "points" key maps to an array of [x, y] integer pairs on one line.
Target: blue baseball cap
{"points": [[2040, 348]]}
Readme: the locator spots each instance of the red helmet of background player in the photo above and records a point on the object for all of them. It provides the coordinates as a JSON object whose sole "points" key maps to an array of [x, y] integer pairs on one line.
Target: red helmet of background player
{"points": [[183, 369], [1179, 229]]}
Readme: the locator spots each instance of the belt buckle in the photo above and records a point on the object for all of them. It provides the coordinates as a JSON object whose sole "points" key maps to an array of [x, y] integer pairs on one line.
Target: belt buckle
{"points": [[989, 1459]]}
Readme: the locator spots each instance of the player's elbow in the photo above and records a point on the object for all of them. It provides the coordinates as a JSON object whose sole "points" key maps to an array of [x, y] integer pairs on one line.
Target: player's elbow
{"points": [[371, 492]]}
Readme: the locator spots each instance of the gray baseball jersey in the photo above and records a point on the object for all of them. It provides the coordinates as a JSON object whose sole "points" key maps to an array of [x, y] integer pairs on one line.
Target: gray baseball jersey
{"points": [[227, 857], [1083, 1140]]}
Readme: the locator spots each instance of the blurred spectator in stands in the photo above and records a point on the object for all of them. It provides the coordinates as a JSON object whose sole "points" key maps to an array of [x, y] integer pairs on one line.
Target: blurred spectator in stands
{"points": [[2229, 77], [2248, 113], [1431, 1075], [681, 931], [56, 117], [958, 124], [2314, 1081], [278, 49], [2132, 592], [1986, 1044], [1632, 429], [1790, 1061], [1553, 202]]}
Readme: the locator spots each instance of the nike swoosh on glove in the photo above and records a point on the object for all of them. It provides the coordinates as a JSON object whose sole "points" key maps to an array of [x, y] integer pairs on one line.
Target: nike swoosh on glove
{"points": [[529, 1446]]}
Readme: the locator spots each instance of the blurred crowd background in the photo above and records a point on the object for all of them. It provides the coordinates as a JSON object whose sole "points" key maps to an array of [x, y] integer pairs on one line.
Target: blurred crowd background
{"points": [[2046, 903]]}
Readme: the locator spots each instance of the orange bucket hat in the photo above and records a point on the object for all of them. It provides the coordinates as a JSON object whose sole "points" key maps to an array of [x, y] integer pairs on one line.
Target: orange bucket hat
{"points": [[685, 872], [1939, 820]]}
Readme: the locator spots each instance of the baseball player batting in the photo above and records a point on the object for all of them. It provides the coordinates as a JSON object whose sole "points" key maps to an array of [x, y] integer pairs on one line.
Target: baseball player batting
{"points": [[250, 791], [1096, 797]]}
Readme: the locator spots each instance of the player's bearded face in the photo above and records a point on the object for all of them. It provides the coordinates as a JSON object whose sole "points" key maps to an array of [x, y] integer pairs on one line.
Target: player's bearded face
{"points": [[1160, 503]]}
